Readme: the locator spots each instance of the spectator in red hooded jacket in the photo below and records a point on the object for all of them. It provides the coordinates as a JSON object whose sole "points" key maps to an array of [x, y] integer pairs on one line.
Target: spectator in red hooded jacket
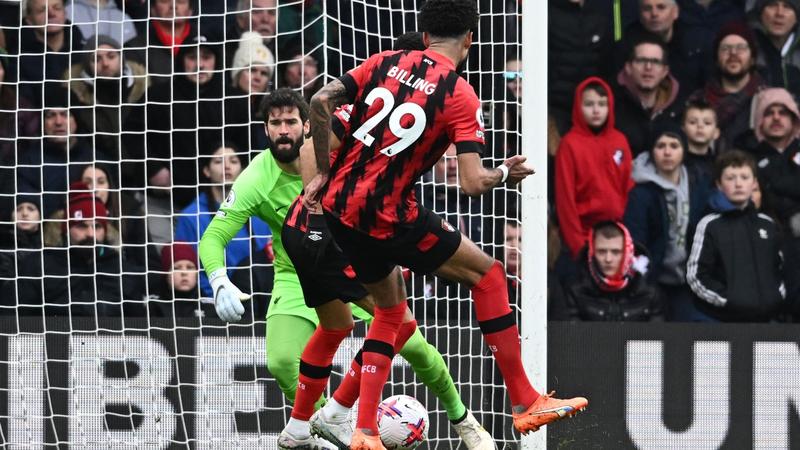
{"points": [[593, 166]]}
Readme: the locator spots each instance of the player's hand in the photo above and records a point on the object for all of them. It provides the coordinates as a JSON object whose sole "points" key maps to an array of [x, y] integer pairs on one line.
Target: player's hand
{"points": [[317, 237], [517, 170], [227, 298], [312, 191]]}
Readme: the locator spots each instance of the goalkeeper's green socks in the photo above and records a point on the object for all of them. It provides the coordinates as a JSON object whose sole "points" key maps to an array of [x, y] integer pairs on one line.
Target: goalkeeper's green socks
{"points": [[430, 368]]}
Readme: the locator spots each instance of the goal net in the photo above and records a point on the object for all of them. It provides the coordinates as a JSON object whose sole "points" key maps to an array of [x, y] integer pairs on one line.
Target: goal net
{"points": [[118, 136]]}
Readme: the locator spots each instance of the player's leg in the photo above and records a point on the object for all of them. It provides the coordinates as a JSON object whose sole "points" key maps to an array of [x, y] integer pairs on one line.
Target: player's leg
{"points": [[391, 327], [384, 281], [487, 280], [287, 336], [335, 324], [486, 277], [430, 368]]}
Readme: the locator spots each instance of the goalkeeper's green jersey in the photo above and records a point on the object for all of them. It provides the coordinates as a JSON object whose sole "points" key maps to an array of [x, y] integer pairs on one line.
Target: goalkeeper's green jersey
{"points": [[265, 191]]}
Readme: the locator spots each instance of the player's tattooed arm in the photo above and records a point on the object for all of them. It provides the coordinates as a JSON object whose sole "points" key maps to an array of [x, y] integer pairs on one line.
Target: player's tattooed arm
{"points": [[323, 103]]}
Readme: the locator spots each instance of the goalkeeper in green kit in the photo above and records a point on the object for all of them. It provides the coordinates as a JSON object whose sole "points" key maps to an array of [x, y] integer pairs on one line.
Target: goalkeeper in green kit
{"points": [[267, 189]]}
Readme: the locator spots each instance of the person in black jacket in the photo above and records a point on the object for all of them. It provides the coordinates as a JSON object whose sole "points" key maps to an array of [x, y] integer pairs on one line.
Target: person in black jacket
{"points": [[171, 25], [664, 206], [579, 46], [85, 276], [659, 18], [20, 238], [775, 26], [199, 115], [735, 266], [47, 44], [611, 285], [647, 95], [776, 127]]}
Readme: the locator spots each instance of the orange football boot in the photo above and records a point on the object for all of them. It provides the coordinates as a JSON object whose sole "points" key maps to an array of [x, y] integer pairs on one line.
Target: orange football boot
{"points": [[547, 409], [362, 441]]}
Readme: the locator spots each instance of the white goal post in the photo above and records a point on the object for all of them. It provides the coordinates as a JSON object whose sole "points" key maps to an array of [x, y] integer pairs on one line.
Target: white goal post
{"points": [[533, 328]]}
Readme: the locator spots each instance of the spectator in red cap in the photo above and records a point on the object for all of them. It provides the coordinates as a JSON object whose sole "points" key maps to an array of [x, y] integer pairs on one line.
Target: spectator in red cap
{"points": [[87, 217], [179, 295], [83, 275], [735, 81]]}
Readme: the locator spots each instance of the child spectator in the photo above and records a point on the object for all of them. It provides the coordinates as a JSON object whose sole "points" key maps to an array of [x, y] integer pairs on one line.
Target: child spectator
{"points": [[219, 170], [700, 126], [734, 267], [20, 237], [178, 295], [593, 166], [612, 286], [666, 203]]}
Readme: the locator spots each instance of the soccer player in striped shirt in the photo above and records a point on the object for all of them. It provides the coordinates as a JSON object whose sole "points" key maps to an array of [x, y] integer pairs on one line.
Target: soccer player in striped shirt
{"points": [[407, 109]]}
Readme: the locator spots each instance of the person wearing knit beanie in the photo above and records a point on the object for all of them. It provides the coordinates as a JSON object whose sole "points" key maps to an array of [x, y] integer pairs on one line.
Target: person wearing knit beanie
{"points": [[93, 44], [178, 251], [735, 81], [253, 64], [179, 261], [775, 25], [84, 213], [27, 214], [739, 29]]}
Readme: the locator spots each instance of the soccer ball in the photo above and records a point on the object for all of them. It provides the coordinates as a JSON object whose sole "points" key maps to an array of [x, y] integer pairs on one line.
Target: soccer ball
{"points": [[402, 422]]}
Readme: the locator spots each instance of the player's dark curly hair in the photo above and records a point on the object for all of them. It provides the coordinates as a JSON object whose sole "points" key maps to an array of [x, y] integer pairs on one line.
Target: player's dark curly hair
{"points": [[284, 97], [448, 18], [409, 41]]}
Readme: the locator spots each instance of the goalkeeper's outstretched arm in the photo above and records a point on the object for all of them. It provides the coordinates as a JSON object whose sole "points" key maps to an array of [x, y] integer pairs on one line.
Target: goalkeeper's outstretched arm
{"points": [[227, 297]]}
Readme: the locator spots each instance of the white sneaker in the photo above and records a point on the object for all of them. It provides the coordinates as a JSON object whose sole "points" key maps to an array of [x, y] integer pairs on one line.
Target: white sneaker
{"points": [[340, 432], [475, 437], [288, 442]]}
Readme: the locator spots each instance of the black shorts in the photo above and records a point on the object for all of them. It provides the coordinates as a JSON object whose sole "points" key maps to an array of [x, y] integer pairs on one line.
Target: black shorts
{"points": [[333, 278], [422, 246]]}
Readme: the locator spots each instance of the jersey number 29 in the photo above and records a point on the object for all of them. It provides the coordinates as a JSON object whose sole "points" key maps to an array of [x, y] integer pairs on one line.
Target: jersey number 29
{"points": [[407, 136]]}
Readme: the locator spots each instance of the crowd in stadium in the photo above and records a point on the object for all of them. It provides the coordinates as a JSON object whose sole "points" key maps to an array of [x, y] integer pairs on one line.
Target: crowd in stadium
{"points": [[673, 142]]}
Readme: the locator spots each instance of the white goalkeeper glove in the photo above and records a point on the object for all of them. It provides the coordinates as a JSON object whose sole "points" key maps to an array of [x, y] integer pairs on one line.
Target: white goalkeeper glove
{"points": [[227, 297]]}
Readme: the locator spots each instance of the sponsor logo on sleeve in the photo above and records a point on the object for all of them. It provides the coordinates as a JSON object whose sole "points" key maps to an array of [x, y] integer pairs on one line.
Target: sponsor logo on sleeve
{"points": [[230, 199]]}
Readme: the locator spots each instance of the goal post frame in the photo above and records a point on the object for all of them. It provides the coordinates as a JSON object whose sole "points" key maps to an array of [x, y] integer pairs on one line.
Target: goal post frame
{"points": [[533, 297]]}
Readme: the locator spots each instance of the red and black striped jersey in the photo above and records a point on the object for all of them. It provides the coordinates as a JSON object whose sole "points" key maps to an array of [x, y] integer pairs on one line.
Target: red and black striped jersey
{"points": [[297, 215], [408, 107], [340, 122]]}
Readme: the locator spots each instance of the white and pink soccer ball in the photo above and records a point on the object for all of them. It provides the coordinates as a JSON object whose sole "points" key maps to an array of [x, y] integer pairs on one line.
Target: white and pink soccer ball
{"points": [[402, 422]]}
